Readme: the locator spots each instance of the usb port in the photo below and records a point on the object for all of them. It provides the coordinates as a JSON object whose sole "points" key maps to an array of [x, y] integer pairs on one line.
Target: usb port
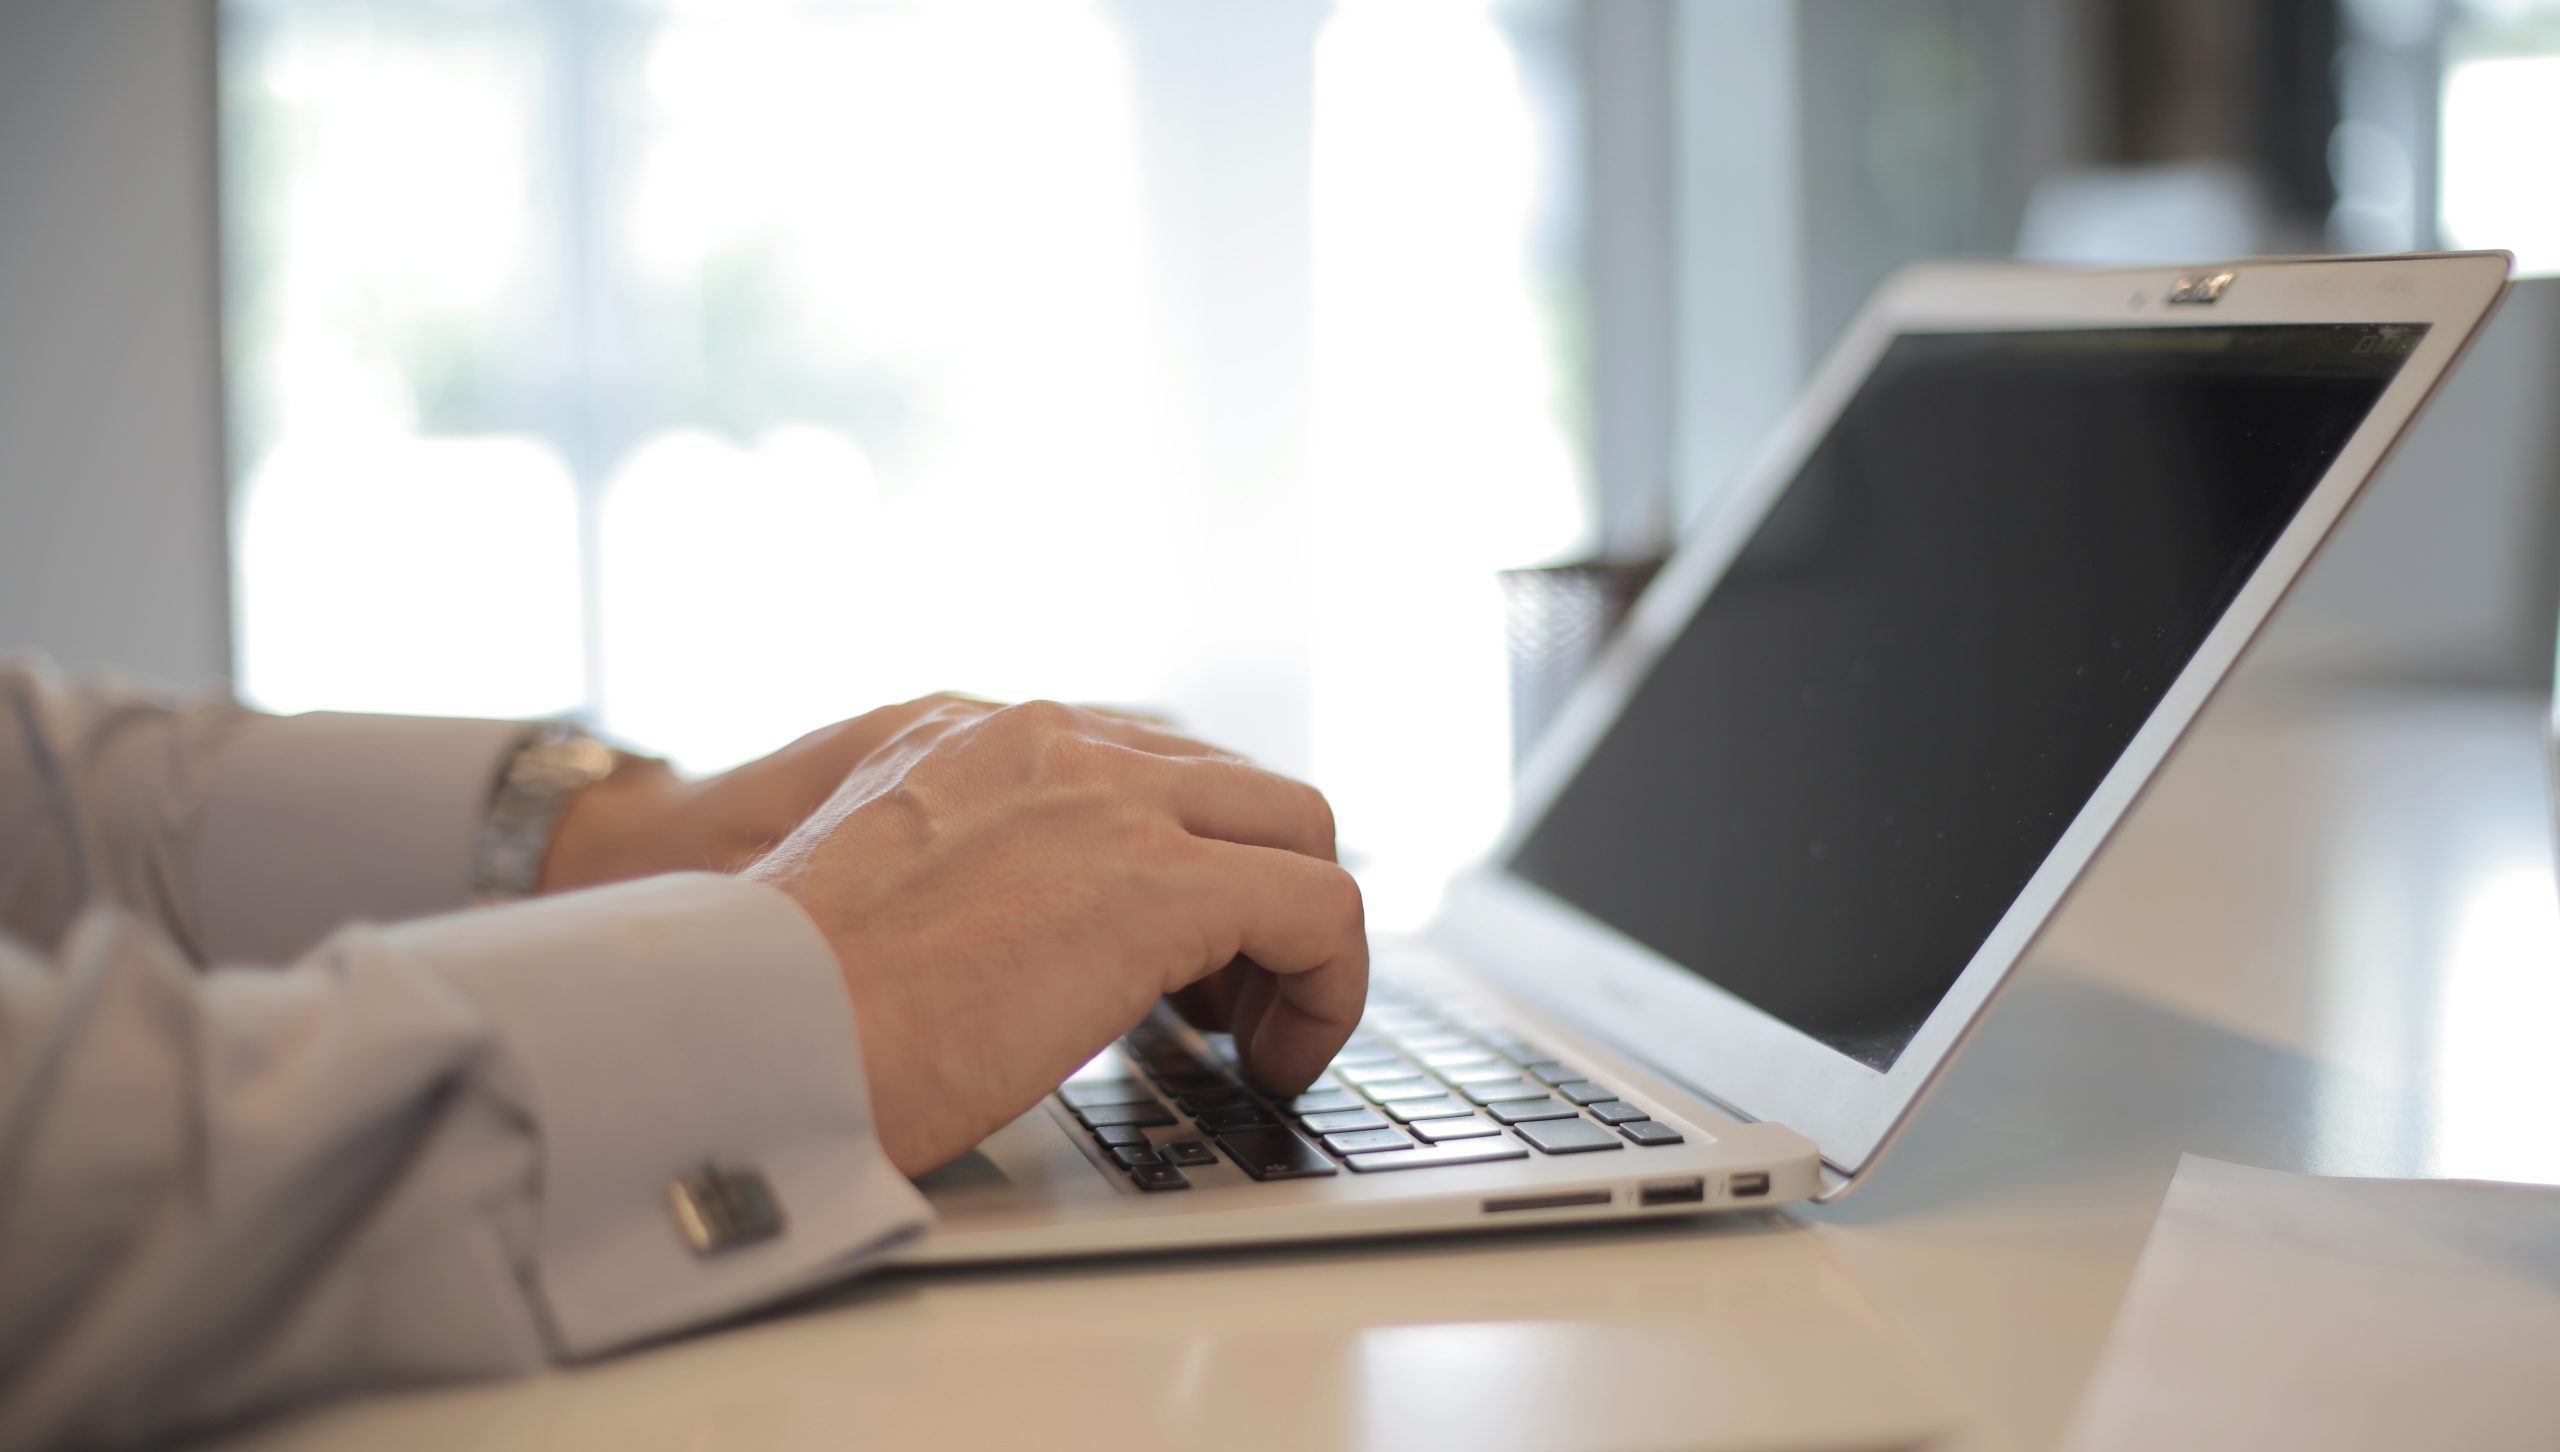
{"points": [[1676, 1192], [1746, 1186]]}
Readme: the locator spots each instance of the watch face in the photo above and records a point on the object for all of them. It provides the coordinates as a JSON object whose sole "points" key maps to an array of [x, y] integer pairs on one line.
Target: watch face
{"points": [[532, 792]]}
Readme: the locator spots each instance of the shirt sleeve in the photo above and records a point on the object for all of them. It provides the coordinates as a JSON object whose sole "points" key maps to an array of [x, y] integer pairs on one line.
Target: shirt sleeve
{"points": [[424, 1151], [242, 837]]}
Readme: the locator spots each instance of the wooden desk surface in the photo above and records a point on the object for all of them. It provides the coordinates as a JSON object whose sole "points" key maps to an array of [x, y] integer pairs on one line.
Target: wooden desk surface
{"points": [[2327, 942]]}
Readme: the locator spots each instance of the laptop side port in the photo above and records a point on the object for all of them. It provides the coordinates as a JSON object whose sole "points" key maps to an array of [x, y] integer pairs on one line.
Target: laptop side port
{"points": [[1745, 1187], [1673, 1192], [1562, 1201]]}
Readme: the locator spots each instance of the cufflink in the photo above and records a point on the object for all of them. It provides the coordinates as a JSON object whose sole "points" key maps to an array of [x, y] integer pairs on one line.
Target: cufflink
{"points": [[722, 1209]]}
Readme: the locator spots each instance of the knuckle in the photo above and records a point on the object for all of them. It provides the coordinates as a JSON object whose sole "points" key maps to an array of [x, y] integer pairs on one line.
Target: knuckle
{"points": [[1040, 717], [1343, 905], [1065, 755], [1319, 813]]}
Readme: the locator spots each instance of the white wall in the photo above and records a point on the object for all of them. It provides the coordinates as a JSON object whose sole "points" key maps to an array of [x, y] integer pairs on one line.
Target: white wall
{"points": [[111, 470]]}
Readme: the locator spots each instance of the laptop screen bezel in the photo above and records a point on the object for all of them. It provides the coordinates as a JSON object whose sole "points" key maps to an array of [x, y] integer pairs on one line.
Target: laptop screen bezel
{"points": [[1742, 1057]]}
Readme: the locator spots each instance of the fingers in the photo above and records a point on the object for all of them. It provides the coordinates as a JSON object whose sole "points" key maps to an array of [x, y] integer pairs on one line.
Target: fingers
{"points": [[1228, 800], [1209, 1004], [1220, 795], [1300, 920], [1212, 793], [1250, 1000], [1139, 714], [1145, 734]]}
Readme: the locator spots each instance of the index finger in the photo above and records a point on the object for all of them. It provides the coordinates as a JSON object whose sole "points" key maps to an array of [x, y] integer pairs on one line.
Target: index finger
{"points": [[1300, 920], [1232, 800]]}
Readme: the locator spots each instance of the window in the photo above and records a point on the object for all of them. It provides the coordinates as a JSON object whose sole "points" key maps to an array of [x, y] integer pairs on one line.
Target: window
{"points": [[718, 371], [2497, 186]]}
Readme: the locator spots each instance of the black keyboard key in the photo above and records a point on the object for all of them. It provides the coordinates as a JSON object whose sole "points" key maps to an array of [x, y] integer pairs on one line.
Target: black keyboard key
{"points": [[1343, 1122], [1649, 1132], [1408, 1110], [1550, 1072], [1275, 1154], [1583, 1091], [1226, 1096], [1191, 1081], [1087, 1093], [1363, 1141], [1496, 1093], [1521, 1111], [1329, 1101], [1423, 1157], [1239, 1116], [1113, 1136], [1160, 1177], [1131, 1156], [1615, 1111], [1145, 1116], [1471, 1127], [1569, 1136], [1187, 1152]]}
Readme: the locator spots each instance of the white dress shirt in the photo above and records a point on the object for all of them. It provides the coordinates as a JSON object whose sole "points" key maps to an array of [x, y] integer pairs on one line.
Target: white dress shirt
{"points": [[278, 1118]]}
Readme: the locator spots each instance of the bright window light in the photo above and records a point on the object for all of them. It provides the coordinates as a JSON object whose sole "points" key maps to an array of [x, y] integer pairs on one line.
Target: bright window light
{"points": [[719, 370], [2494, 1078], [2500, 182], [1440, 453]]}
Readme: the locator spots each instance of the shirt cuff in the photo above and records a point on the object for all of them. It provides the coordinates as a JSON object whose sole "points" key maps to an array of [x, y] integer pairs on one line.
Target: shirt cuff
{"points": [[312, 822], [651, 1028]]}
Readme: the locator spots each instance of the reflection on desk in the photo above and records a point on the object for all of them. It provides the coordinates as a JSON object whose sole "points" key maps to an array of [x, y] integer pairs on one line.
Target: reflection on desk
{"points": [[1746, 1335]]}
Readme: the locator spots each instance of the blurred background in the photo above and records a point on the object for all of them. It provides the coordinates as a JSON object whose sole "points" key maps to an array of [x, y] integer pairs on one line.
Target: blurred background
{"points": [[715, 370]]}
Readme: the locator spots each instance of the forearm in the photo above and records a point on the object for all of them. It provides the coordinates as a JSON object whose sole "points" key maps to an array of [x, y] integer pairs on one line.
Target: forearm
{"points": [[425, 1152], [243, 837]]}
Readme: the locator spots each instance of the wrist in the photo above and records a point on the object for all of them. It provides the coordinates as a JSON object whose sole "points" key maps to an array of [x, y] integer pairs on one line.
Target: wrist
{"points": [[616, 828]]}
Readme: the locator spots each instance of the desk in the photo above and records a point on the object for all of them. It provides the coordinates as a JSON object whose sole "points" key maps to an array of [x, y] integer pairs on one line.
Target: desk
{"points": [[2327, 942]]}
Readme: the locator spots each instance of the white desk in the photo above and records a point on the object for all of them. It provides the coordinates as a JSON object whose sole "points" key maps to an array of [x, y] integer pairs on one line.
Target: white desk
{"points": [[2327, 942]]}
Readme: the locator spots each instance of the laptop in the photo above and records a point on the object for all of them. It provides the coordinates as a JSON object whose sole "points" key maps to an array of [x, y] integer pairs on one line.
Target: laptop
{"points": [[1779, 852]]}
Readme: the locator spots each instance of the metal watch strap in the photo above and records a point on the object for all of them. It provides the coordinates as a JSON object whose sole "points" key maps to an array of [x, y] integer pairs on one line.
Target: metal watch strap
{"points": [[552, 766]]}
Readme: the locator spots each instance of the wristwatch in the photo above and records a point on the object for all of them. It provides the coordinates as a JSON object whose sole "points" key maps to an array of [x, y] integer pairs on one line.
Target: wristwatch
{"points": [[552, 766]]}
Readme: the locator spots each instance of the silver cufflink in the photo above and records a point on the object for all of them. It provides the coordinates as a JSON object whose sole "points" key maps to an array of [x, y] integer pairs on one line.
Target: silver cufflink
{"points": [[722, 1209]]}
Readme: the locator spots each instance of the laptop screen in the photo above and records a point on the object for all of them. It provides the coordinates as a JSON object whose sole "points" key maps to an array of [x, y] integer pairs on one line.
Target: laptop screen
{"points": [[1830, 788]]}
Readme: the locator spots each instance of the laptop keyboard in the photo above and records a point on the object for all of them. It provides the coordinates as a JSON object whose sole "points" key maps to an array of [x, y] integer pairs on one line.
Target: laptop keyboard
{"points": [[1414, 1089]]}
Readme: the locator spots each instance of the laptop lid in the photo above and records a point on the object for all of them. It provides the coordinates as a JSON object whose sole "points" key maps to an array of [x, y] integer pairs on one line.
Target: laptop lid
{"points": [[1876, 716]]}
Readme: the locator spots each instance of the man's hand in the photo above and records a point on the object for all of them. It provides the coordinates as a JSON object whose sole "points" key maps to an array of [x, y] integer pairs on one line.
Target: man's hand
{"points": [[647, 820], [1009, 890]]}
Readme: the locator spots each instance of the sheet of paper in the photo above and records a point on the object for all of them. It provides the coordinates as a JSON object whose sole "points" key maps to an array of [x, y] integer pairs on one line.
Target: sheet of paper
{"points": [[2276, 1310]]}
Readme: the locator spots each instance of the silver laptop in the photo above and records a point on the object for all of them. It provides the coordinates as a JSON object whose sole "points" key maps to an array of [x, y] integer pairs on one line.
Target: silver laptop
{"points": [[1858, 740]]}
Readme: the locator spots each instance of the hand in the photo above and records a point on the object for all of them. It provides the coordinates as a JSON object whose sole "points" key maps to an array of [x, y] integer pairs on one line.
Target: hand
{"points": [[1008, 891], [646, 820]]}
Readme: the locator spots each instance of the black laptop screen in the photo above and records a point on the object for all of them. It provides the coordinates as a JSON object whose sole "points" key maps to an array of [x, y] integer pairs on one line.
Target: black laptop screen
{"points": [[1832, 786]]}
